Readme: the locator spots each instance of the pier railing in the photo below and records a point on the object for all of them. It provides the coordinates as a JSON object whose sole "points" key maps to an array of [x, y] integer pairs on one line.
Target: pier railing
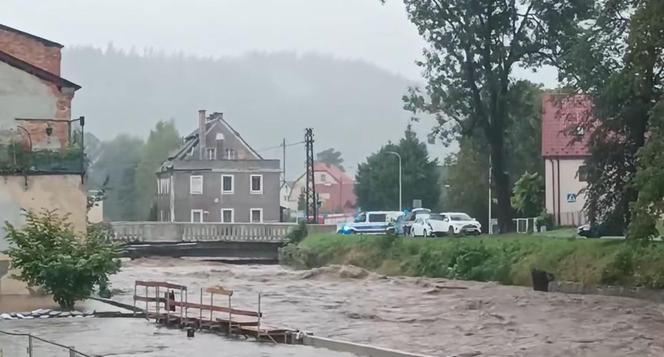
{"points": [[35, 346], [153, 232]]}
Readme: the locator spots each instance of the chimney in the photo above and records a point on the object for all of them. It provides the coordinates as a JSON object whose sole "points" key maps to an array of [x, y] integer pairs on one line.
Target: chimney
{"points": [[202, 144]]}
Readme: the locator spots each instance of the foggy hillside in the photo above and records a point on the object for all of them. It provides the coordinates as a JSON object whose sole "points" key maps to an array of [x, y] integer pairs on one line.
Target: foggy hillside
{"points": [[353, 106]]}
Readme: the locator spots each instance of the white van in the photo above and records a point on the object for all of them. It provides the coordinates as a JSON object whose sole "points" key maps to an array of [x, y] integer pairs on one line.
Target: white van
{"points": [[372, 222]]}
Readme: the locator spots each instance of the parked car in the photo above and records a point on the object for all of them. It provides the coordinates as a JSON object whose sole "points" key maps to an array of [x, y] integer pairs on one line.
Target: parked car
{"points": [[372, 222], [411, 217], [431, 225], [460, 223]]}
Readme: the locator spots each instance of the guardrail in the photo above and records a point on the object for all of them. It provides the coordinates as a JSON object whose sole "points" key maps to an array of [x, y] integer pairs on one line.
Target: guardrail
{"points": [[30, 348], [154, 232]]}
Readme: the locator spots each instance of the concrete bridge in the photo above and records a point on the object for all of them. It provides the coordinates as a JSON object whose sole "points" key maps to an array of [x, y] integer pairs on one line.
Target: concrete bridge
{"points": [[252, 242]]}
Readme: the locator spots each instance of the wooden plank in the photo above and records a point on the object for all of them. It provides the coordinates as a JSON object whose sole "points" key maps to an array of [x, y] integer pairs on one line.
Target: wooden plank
{"points": [[192, 305], [162, 284], [219, 290], [148, 298], [239, 323]]}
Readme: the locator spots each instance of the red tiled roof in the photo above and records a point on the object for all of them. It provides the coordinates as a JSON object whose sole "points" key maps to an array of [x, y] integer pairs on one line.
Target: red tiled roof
{"points": [[333, 171], [560, 116]]}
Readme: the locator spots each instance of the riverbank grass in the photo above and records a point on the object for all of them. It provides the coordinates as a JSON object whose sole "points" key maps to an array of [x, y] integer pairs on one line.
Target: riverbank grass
{"points": [[507, 258]]}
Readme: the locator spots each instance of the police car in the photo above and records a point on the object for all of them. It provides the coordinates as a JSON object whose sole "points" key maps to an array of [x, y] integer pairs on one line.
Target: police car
{"points": [[372, 222]]}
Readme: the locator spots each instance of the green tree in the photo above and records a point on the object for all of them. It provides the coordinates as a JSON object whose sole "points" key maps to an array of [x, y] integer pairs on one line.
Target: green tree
{"points": [[377, 179], [163, 139], [467, 182], [649, 207], [48, 254], [473, 46], [331, 157], [618, 63], [116, 166], [302, 201], [528, 198]]}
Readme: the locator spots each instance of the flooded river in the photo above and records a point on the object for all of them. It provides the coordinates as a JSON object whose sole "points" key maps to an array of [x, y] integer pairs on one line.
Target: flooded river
{"points": [[430, 316]]}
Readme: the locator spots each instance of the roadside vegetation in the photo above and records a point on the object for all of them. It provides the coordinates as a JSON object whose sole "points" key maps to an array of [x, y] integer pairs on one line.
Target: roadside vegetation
{"points": [[507, 259]]}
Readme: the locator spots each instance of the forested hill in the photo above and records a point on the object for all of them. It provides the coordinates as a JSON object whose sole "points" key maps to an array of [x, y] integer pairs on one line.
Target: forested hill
{"points": [[353, 106]]}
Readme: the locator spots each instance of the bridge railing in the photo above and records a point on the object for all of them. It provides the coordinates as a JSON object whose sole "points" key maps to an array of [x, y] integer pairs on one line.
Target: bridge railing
{"points": [[136, 232], [26, 344]]}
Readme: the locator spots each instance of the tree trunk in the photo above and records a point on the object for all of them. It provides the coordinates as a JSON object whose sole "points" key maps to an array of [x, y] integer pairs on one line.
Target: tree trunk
{"points": [[502, 186]]}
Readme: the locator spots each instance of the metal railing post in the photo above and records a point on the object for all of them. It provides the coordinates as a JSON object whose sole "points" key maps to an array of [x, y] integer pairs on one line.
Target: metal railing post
{"points": [[72, 351], [30, 345]]}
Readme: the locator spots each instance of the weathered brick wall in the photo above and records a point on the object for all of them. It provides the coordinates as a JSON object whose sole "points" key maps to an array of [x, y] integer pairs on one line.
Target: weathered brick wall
{"points": [[59, 137], [31, 50]]}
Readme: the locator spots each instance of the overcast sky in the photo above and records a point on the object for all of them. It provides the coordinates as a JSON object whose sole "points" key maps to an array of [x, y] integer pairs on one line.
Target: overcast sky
{"points": [[357, 29]]}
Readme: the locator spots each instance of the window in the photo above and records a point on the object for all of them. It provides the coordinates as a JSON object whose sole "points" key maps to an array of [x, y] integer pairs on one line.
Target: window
{"points": [[583, 173], [227, 215], [227, 184], [256, 215], [211, 153], [231, 154], [163, 186], [256, 184], [196, 185], [323, 178], [197, 216], [360, 218], [380, 217]]}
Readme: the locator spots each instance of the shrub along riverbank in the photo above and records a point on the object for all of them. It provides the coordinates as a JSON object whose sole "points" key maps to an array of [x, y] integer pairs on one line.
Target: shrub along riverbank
{"points": [[507, 259]]}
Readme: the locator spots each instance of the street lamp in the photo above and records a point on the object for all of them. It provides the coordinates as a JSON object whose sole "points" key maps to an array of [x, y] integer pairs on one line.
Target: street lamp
{"points": [[400, 173], [81, 121]]}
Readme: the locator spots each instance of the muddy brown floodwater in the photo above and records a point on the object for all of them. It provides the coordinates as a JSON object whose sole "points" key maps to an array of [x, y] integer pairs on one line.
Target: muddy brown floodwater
{"points": [[431, 316], [425, 315]]}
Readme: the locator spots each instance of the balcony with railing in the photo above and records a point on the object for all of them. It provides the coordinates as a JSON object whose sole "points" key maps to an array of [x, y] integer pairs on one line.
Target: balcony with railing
{"points": [[17, 158], [33, 146]]}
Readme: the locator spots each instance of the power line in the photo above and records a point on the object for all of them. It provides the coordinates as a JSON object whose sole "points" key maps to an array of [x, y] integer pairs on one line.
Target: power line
{"points": [[280, 146]]}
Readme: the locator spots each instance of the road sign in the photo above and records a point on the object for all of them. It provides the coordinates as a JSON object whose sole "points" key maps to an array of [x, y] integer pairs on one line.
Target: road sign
{"points": [[571, 197]]}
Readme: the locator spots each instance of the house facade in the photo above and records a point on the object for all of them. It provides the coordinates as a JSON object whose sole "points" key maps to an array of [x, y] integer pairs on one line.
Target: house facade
{"points": [[335, 190], [219, 179], [564, 150], [41, 151]]}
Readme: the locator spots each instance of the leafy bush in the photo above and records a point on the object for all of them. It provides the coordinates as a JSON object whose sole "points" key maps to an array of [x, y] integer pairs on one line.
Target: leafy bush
{"points": [[297, 235], [48, 254], [528, 195], [544, 219]]}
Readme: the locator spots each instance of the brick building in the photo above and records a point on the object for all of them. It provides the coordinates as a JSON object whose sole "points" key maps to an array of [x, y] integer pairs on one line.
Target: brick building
{"points": [[335, 190], [41, 148]]}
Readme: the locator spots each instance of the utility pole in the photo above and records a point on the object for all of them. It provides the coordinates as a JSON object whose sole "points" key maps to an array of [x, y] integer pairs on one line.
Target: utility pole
{"points": [[310, 190], [283, 160], [490, 198]]}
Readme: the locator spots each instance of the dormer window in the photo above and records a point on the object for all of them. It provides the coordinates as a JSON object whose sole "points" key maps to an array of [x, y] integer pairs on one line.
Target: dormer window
{"points": [[211, 153]]}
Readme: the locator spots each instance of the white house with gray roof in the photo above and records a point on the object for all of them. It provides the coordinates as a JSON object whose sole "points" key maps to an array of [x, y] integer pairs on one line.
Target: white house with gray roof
{"points": [[219, 179]]}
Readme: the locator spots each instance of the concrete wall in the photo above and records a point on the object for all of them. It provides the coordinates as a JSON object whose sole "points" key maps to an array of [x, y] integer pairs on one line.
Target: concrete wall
{"points": [[64, 193], [96, 213], [23, 95], [558, 187]]}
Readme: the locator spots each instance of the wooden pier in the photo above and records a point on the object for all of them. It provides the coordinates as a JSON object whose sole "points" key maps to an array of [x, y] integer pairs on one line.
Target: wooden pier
{"points": [[168, 304]]}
